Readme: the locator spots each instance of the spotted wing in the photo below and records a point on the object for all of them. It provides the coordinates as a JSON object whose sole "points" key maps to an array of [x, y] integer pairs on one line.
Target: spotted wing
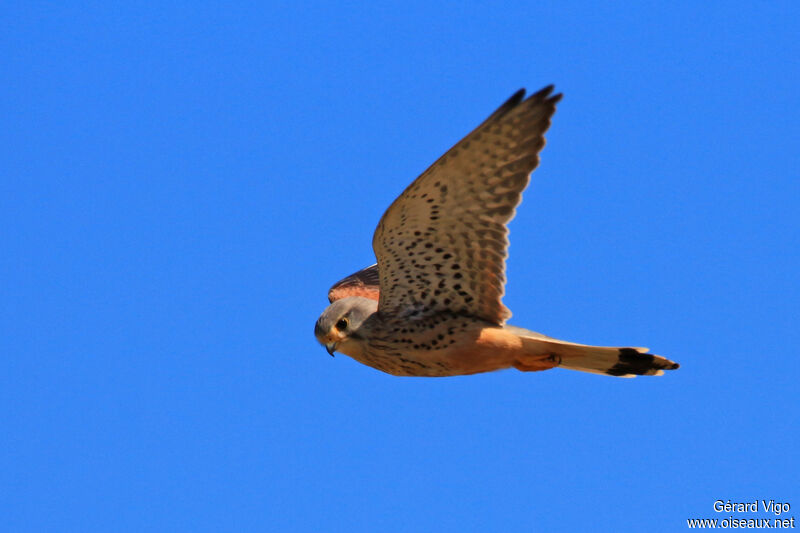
{"points": [[442, 244], [363, 283]]}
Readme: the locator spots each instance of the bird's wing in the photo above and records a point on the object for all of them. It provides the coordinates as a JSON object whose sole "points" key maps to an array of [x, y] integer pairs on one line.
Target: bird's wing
{"points": [[363, 283], [442, 244]]}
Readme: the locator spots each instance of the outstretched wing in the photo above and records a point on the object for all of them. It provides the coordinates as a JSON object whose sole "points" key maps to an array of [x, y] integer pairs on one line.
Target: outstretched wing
{"points": [[442, 244], [363, 283]]}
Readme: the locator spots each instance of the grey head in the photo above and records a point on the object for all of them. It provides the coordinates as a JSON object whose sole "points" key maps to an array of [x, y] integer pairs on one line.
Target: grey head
{"points": [[340, 324]]}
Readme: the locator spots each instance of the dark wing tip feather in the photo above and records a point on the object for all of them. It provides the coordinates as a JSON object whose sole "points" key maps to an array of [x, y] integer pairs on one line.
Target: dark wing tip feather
{"points": [[544, 91], [519, 97], [507, 106], [515, 98], [546, 94]]}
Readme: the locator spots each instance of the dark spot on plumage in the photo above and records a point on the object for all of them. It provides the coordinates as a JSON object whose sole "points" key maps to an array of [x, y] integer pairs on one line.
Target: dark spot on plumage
{"points": [[457, 275]]}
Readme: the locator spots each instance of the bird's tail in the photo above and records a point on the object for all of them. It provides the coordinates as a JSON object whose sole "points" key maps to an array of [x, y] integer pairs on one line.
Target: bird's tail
{"points": [[611, 361]]}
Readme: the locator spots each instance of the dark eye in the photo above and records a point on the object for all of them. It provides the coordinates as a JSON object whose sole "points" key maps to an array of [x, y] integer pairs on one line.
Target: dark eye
{"points": [[341, 325]]}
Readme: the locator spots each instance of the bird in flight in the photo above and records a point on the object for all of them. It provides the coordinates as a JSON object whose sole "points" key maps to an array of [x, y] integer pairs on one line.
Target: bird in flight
{"points": [[432, 305]]}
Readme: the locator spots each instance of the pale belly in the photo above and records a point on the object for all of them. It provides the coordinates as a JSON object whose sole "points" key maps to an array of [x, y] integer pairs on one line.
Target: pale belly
{"points": [[450, 349]]}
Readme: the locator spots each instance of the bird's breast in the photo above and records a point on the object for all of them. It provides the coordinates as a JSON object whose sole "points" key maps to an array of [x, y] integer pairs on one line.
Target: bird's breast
{"points": [[435, 347]]}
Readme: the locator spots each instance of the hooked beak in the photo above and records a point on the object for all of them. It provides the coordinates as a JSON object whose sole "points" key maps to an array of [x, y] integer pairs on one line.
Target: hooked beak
{"points": [[331, 347]]}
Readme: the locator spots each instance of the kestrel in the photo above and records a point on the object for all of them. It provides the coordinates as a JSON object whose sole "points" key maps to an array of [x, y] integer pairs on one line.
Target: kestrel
{"points": [[431, 306]]}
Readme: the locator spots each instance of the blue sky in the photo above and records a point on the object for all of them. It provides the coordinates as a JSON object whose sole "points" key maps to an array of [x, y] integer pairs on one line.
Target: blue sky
{"points": [[180, 185]]}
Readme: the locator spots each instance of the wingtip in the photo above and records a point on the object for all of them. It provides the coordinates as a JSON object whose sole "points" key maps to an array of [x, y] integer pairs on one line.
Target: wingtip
{"points": [[515, 98], [542, 95], [546, 94]]}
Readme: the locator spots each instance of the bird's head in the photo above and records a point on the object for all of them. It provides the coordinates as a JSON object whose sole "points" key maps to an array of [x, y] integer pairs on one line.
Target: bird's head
{"points": [[339, 326]]}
